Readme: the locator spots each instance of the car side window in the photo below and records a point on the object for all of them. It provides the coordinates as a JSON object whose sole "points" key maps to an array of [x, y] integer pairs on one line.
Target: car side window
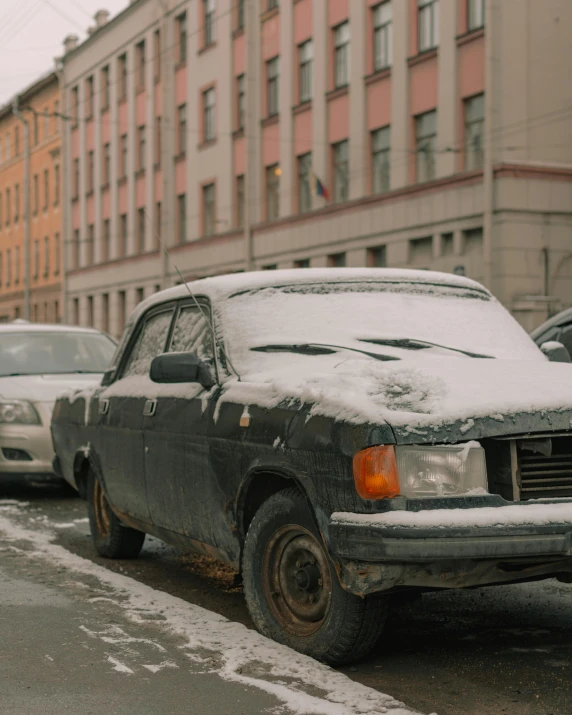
{"points": [[550, 334], [192, 334], [566, 337], [150, 343]]}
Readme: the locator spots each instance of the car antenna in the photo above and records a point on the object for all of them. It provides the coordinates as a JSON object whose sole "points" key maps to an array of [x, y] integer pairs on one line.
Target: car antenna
{"points": [[196, 302]]}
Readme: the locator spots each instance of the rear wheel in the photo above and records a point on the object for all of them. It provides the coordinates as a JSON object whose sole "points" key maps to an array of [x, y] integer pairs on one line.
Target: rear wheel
{"points": [[292, 590], [110, 537]]}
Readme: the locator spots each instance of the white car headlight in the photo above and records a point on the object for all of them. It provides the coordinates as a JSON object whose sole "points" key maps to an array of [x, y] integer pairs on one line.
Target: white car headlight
{"points": [[18, 412], [441, 471]]}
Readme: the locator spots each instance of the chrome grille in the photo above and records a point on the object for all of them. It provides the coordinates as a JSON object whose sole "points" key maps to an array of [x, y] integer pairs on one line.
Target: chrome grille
{"points": [[547, 475]]}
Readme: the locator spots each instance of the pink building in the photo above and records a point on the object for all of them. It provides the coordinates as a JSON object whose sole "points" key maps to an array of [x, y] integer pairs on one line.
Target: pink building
{"points": [[441, 137]]}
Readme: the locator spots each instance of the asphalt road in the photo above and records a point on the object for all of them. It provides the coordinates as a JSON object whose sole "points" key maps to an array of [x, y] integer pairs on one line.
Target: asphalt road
{"points": [[497, 651]]}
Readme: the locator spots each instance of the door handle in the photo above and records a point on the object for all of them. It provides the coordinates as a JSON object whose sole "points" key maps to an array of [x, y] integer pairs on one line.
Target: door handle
{"points": [[150, 407], [103, 406]]}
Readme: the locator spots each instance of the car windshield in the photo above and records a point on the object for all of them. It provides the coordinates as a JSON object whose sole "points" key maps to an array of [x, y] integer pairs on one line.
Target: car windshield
{"points": [[54, 353], [388, 318]]}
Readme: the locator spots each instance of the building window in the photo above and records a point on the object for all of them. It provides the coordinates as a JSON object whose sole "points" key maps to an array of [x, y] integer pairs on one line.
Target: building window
{"points": [[272, 192], [209, 21], [36, 129], [209, 115], [157, 141], [8, 207], [1, 216], [46, 257], [425, 140], [475, 14], [17, 264], [76, 311], [106, 165], [36, 260], [56, 116], [75, 179], [382, 36], [302, 263], [46, 122], [182, 129], [182, 218], [158, 220], [57, 254], [105, 312], [46, 189], [157, 54], [123, 156], [90, 171], [240, 199], [427, 24], [7, 146], [380, 160], [17, 141], [75, 105], [474, 131], [208, 210], [122, 236], [141, 149], [36, 194], [122, 310], [240, 101], [337, 260], [340, 156], [105, 245], [240, 15], [139, 295], [181, 24], [89, 97], [1, 270], [56, 184], [90, 244], [306, 61], [105, 87], [122, 70], [141, 218], [16, 203], [272, 70], [341, 54], [75, 249], [376, 257], [8, 267], [304, 193], [271, 4], [140, 59], [90, 311]]}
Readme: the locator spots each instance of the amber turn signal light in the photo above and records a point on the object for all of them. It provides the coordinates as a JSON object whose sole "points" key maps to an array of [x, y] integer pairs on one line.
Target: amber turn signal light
{"points": [[375, 473]]}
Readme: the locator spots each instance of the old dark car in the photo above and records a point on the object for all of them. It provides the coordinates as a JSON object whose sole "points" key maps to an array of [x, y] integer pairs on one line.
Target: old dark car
{"points": [[335, 435]]}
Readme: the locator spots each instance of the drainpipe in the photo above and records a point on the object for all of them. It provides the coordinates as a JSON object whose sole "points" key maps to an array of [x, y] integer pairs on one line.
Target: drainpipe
{"points": [[488, 163], [18, 114], [63, 128], [251, 133], [168, 205]]}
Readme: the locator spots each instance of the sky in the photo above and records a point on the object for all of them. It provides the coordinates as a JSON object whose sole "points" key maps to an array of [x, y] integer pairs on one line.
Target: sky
{"points": [[31, 35]]}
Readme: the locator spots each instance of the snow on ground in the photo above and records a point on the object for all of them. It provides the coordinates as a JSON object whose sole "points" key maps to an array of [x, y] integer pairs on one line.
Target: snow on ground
{"points": [[218, 645]]}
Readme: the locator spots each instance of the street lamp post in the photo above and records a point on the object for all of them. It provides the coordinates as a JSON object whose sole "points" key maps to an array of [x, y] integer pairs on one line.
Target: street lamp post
{"points": [[18, 114]]}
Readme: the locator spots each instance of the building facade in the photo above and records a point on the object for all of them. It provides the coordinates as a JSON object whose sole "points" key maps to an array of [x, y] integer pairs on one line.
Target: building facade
{"points": [[259, 134], [39, 106]]}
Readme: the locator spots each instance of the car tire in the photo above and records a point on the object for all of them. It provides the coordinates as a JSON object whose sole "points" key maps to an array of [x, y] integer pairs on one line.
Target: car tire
{"points": [[111, 538], [292, 590]]}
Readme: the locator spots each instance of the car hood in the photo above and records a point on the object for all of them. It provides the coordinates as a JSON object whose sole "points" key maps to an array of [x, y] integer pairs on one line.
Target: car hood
{"points": [[431, 399], [43, 388]]}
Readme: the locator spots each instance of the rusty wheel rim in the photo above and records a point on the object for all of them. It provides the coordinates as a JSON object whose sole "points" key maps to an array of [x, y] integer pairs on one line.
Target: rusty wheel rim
{"points": [[101, 510], [296, 580]]}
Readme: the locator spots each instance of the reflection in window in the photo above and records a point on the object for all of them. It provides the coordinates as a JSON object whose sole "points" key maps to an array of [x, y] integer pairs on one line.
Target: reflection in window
{"points": [[150, 343], [192, 334]]}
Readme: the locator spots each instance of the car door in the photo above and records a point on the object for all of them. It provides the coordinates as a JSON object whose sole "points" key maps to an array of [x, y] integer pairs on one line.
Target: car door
{"points": [[180, 485], [122, 406]]}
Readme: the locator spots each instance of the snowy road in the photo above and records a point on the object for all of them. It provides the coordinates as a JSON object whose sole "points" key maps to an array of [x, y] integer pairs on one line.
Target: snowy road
{"points": [[155, 631]]}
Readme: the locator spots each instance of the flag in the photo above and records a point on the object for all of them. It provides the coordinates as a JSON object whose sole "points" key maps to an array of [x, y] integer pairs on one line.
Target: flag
{"points": [[317, 188]]}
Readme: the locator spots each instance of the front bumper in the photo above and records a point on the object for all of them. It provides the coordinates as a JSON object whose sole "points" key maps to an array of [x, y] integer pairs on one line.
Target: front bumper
{"points": [[33, 440], [452, 547]]}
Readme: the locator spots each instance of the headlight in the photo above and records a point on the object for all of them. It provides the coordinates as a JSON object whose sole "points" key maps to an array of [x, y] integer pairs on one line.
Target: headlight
{"points": [[18, 412], [441, 471]]}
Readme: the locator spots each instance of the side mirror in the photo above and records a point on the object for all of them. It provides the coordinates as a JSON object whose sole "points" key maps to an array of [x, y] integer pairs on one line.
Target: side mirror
{"points": [[107, 377], [173, 368], [555, 351]]}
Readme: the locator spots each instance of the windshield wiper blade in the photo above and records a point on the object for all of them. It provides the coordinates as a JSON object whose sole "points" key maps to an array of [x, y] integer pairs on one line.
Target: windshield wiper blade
{"points": [[319, 349], [414, 344]]}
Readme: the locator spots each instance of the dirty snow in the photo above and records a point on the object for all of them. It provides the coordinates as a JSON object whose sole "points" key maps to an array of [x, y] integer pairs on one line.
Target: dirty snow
{"points": [[517, 515], [240, 655]]}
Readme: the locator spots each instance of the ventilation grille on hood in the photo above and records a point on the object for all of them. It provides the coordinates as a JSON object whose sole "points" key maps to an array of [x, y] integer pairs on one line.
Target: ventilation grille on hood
{"points": [[545, 470]]}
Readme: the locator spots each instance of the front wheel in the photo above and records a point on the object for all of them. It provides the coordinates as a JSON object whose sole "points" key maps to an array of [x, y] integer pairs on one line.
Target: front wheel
{"points": [[111, 539], [292, 590]]}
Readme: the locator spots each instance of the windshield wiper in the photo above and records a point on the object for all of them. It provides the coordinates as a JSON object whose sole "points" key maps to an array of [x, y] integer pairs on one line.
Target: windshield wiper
{"points": [[414, 344], [319, 349]]}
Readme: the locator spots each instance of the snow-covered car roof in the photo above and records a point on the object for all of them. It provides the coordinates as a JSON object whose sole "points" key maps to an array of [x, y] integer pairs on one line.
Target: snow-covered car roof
{"points": [[221, 287], [26, 327]]}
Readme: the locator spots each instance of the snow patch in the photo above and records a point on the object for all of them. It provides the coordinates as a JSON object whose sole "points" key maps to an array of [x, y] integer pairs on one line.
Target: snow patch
{"points": [[119, 666], [161, 666]]}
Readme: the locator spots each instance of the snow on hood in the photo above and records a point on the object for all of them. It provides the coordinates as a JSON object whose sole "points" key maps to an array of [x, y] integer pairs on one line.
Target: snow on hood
{"points": [[44, 388], [413, 394]]}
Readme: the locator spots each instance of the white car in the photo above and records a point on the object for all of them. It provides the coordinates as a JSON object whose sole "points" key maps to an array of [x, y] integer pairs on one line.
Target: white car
{"points": [[37, 363]]}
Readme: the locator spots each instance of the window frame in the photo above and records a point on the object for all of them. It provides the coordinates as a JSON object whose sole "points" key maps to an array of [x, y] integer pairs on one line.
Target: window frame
{"points": [[476, 162], [335, 147], [305, 71], [304, 161], [208, 191], [377, 152], [182, 37], [428, 9], [272, 73], [341, 50], [208, 100], [382, 36], [475, 8], [418, 150], [204, 303], [209, 21], [271, 170], [240, 101]]}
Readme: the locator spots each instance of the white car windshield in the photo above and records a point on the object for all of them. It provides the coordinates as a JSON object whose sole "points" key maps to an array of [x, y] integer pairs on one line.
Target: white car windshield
{"points": [[394, 321], [54, 353]]}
